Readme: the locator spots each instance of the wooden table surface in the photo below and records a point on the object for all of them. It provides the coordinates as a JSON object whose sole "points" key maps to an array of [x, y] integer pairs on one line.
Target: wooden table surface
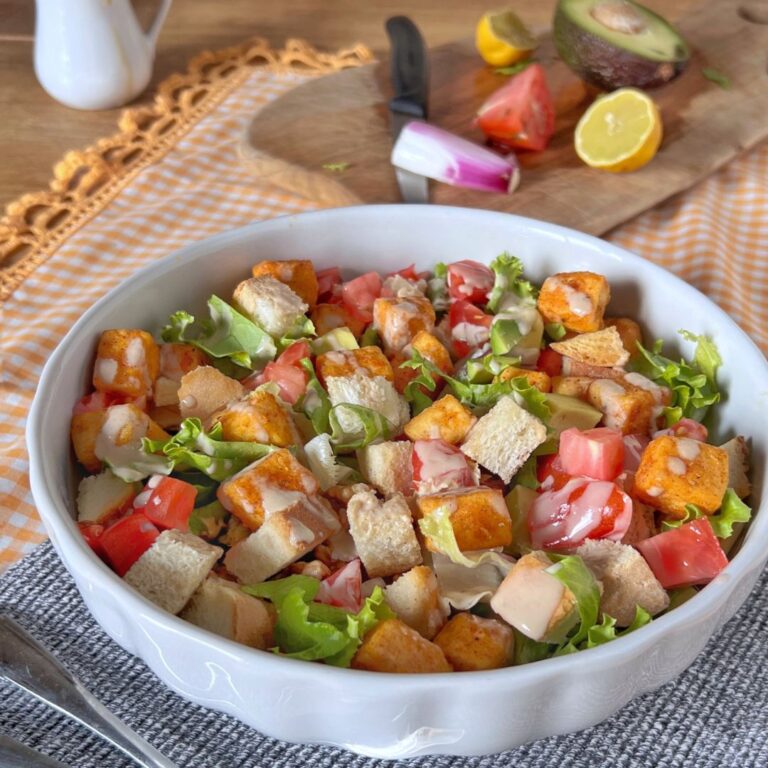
{"points": [[35, 130]]}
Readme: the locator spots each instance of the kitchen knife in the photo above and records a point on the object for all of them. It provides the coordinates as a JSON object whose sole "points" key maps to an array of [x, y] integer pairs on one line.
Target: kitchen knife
{"points": [[410, 82]]}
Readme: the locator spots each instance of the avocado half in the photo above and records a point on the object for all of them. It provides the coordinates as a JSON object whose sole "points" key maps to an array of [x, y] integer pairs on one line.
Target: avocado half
{"points": [[617, 43]]}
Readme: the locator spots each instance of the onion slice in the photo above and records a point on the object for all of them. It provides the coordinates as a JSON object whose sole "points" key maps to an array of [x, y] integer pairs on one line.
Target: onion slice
{"points": [[430, 151]]}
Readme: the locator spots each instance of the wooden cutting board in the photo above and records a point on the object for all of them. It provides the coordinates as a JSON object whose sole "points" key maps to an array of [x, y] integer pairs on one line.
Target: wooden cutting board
{"points": [[343, 118]]}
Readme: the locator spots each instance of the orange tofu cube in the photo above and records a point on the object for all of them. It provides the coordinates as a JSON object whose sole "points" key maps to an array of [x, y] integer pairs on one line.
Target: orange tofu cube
{"points": [[397, 321], [176, 359], [479, 517], [630, 333], [392, 646], [471, 643], [258, 418], [298, 274], [675, 471], [573, 386], [575, 299], [268, 485], [127, 361], [430, 347], [537, 379], [446, 418], [84, 430], [346, 362], [632, 410], [326, 317]]}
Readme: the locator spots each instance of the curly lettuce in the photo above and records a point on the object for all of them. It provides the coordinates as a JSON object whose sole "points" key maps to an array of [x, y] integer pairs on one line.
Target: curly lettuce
{"points": [[508, 274]]}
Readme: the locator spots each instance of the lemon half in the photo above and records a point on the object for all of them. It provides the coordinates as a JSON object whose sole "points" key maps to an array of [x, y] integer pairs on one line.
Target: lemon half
{"points": [[502, 39]]}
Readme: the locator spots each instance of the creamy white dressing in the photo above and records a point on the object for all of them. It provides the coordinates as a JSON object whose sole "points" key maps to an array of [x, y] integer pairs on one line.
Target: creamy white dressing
{"points": [[676, 466], [474, 335], [188, 402], [135, 355], [688, 448], [299, 534], [106, 369], [578, 302], [654, 491]]}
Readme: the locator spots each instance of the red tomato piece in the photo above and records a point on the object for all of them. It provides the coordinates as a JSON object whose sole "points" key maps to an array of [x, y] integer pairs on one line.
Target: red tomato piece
{"points": [[410, 273], [684, 556], [470, 280], [470, 327], [343, 588], [167, 502], [291, 380], [581, 509], [550, 362], [295, 353], [327, 281], [685, 428], [359, 294], [550, 473], [98, 401], [125, 541], [520, 114], [634, 445], [439, 466], [596, 453], [92, 534]]}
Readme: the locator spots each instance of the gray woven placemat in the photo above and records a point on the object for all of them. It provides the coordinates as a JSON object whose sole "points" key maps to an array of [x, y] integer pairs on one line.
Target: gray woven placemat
{"points": [[715, 714]]}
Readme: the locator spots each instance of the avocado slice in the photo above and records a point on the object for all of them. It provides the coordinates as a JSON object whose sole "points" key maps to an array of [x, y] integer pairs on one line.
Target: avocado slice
{"points": [[617, 43], [570, 412]]}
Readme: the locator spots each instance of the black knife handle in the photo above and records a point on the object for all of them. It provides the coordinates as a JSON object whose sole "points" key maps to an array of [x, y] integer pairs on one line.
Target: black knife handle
{"points": [[409, 68]]}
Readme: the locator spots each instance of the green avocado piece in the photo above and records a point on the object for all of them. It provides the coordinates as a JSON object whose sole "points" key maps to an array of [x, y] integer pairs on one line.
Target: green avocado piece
{"points": [[570, 412], [617, 43], [335, 339], [519, 501]]}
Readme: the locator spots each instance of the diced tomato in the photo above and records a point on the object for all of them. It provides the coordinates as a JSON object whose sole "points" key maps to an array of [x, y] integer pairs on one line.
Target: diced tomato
{"points": [[343, 588], [410, 273], [291, 380], [470, 327], [634, 445], [125, 541], [520, 114], [684, 556], [98, 401], [596, 453], [470, 280], [439, 466], [581, 509], [295, 353], [550, 362], [92, 534], [685, 428], [167, 502], [550, 473], [360, 293], [327, 281]]}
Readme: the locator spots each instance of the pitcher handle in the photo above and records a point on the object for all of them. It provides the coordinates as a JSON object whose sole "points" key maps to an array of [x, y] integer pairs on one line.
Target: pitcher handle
{"points": [[157, 24]]}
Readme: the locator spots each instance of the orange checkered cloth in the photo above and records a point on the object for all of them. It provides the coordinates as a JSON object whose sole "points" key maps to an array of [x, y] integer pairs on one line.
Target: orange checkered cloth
{"points": [[173, 175]]}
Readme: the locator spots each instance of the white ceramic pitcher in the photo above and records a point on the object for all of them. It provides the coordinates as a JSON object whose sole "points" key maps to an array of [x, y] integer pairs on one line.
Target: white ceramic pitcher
{"points": [[92, 54]]}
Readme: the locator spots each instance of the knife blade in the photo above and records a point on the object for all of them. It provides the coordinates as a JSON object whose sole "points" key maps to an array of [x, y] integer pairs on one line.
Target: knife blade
{"points": [[410, 82]]}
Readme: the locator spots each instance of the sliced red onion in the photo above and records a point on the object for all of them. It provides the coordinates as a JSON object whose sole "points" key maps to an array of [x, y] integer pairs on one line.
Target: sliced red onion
{"points": [[430, 151]]}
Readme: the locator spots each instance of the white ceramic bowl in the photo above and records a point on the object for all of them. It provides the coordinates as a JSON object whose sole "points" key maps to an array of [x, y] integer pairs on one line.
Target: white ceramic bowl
{"points": [[396, 716]]}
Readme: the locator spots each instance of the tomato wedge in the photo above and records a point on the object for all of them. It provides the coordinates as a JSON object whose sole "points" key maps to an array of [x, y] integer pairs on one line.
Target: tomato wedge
{"points": [[470, 280], [99, 401], [521, 114], [167, 503], [290, 379], [359, 294], [91, 532], [550, 362], [470, 327], [327, 282], [597, 453], [439, 466], [295, 353], [125, 541], [550, 473], [343, 588]]}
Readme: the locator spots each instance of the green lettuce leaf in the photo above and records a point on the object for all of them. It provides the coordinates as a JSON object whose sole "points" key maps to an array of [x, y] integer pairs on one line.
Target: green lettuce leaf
{"points": [[508, 271], [732, 510], [437, 288], [324, 464], [605, 631], [372, 426], [370, 337], [278, 590], [414, 390], [574, 574], [555, 331], [465, 586], [315, 403], [528, 651], [132, 464]]}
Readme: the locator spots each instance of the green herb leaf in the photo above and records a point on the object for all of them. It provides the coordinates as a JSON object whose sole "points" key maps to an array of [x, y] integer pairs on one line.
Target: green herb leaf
{"points": [[717, 77]]}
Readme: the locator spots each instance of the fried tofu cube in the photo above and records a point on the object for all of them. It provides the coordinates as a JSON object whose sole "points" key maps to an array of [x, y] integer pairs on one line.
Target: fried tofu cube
{"points": [[346, 362], [127, 362], [473, 643], [392, 646], [575, 299], [632, 410], [446, 418], [431, 348], [272, 305], [538, 379], [397, 321], [84, 430], [387, 466], [415, 598], [99, 497], [630, 333], [259, 417], [205, 390], [675, 471], [298, 274], [479, 517], [383, 533], [572, 386], [326, 317], [176, 359], [266, 486]]}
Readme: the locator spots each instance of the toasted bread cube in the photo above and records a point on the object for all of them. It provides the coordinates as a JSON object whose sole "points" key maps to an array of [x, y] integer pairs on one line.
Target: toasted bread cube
{"points": [[383, 533], [504, 438], [176, 359], [127, 362], [84, 430], [266, 486], [346, 362], [415, 598], [165, 392], [392, 646], [326, 317], [221, 607], [675, 471], [259, 418], [446, 418], [298, 274], [376, 393], [538, 379], [387, 467], [738, 466], [630, 333], [643, 523], [166, 416], [572, 386], [479, 517], [170, 571], [431, 348], [631, 410], [272, 305], [575, 299], [99, 497], [472, 643], [284, 537], [399, 320], [205, 390]]}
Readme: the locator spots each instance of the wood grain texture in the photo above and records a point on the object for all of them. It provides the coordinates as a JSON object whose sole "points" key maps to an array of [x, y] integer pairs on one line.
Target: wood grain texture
{"points": [[344, 118]]}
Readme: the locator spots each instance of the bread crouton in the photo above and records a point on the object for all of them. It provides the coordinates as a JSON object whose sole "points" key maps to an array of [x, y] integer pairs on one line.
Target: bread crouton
{"points": [[266, 486], [504, 438], [221, 607], [387, 467], [572, 386], [626, 578], [260, 418], [165, 392], [272, 305], [479, 517], [99, 497], [127, 362], [473, 643], [326, 317], [738, 466], [298, 274], [629, 331], [446, 419], [383, 534], [675, 471], [602, 348], [170, 571], [575, 299], [392, 646], [345, 362], [629, 409], [642, 525], [397, 321], [284, 537], [429, 347], [538, 379], [415, 598], [375, 393], [205, 390], [167, 417]]}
